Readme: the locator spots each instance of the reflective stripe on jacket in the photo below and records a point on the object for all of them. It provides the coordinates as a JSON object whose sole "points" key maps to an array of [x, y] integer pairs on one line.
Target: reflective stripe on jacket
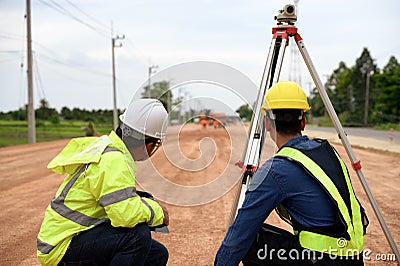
{"points": [[100, 187], [352, 243]]}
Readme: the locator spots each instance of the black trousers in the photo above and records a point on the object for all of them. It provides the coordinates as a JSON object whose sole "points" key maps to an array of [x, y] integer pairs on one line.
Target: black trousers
{"points": [[275, 246], [105, 245]]}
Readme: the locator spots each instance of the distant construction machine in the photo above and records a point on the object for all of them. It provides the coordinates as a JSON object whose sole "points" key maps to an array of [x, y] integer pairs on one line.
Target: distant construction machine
{"points": [[212, 119]]}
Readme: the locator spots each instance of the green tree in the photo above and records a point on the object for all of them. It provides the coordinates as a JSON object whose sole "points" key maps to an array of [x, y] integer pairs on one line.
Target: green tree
{"points": [[20, 115], [341, 89], [387, 103], [347, 89], [337, 88], [364, 64], [44, 112], [162, 92], [245, 112], [316, 103], [66, 113]]}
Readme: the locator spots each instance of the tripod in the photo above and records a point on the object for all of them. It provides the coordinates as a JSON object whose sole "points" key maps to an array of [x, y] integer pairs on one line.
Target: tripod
{"points": [[281, 34]]}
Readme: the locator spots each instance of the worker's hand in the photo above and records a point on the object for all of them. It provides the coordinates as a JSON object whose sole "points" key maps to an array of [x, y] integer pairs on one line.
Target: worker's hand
{"points": [[166, 215], [239, 164]]}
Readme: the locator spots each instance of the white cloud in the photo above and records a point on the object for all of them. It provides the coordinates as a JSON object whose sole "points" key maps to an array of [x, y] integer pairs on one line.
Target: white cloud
{"points": [[75, 61]]}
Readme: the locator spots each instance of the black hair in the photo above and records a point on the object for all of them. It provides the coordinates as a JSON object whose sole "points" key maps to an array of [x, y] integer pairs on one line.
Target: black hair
{"points": [[119, 131], [287, 121], [151, 139]]}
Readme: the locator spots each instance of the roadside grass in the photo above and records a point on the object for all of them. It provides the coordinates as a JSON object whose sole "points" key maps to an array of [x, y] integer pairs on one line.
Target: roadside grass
{"points": [[325, 121], [388, 126], [16, 132]]}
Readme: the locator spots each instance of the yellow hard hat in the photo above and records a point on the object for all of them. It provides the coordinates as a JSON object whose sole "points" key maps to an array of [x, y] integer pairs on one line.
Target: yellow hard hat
{"points": [[285, 95]]}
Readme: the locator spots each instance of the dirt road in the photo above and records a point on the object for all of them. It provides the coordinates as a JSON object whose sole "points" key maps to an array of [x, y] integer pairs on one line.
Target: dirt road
{"points": [[196, 229]]}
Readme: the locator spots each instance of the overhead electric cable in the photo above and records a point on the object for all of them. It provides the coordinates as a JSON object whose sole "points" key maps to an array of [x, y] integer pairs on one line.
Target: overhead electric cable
{"points": [[38, 79], [54, 5], [89, 16], [101, 29], [131, 44], [6, 35]]}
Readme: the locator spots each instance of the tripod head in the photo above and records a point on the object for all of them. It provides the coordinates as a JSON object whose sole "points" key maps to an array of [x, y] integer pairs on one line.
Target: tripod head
{"points": [[287, 16]]}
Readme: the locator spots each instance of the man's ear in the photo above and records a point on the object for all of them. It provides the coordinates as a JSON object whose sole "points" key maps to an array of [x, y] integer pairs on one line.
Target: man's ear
{"points": [[268, 125], [149, 146], [303, 123]]}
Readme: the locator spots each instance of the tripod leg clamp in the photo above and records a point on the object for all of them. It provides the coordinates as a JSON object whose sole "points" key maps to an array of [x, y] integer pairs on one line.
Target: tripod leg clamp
{"points": [[356, 165]]}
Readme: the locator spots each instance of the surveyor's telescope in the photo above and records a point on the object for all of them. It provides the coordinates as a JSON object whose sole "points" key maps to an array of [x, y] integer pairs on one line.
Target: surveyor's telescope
{"points": [[287, 15]]}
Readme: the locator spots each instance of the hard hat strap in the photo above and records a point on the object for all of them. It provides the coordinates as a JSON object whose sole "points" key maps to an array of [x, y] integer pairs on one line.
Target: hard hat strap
{"points": [[130, 132]]}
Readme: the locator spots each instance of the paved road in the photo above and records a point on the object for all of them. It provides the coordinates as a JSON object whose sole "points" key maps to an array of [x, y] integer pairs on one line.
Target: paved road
{"points": [[360, 132]]}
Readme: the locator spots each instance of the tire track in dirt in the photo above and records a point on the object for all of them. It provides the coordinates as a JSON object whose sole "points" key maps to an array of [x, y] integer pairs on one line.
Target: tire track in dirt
{"points": [[204, 154], [180, 186], [26, 188]]}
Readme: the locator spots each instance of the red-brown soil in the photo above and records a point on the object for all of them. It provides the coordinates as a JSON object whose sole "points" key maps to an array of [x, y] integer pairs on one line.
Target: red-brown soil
{"points": [[196, 231]]}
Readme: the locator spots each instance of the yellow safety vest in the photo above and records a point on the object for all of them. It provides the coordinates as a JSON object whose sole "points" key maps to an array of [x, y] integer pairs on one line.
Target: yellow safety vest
{"points": [[353, 221], [100, 187]]}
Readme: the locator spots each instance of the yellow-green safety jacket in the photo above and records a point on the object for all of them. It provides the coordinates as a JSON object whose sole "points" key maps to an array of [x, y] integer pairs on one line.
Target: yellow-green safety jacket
{"points": [[353, 219], [100, 187]]}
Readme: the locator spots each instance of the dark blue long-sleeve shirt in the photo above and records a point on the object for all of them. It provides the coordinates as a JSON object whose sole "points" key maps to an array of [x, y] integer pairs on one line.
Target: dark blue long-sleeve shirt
{"points": [[277, 181]]}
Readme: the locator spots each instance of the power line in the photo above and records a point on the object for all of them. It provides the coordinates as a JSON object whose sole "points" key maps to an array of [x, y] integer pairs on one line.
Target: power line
{"points": [[38, 78], [11, 36], [103, 29], [60, 62], [49, 57], [7, 60], [54, 58], [22, 87], [54, 5], [10, 52], [89, 16], [71, 77], [132, 45]]}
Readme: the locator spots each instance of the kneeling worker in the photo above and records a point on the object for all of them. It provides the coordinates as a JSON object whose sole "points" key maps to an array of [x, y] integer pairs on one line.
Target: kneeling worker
{"points": [[309, 186], [97, 216]]}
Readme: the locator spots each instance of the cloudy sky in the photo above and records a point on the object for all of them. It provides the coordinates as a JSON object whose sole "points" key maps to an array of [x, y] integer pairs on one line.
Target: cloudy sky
{"points": [[72, 44]]}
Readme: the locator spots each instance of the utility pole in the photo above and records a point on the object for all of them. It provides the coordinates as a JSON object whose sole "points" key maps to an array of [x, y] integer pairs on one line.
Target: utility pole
{"points": [[30, 108], [367, 93], [187, 106], [152, 70], [181, 99], [114, 45]]}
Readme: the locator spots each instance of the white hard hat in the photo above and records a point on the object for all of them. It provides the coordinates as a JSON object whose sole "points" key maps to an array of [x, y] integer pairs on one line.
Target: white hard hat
{"points": [[146, 116]]}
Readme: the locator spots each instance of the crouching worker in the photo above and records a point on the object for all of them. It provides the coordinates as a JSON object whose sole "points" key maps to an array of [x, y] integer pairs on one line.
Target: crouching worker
{"points": [[96, 216], [309, 186]]}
